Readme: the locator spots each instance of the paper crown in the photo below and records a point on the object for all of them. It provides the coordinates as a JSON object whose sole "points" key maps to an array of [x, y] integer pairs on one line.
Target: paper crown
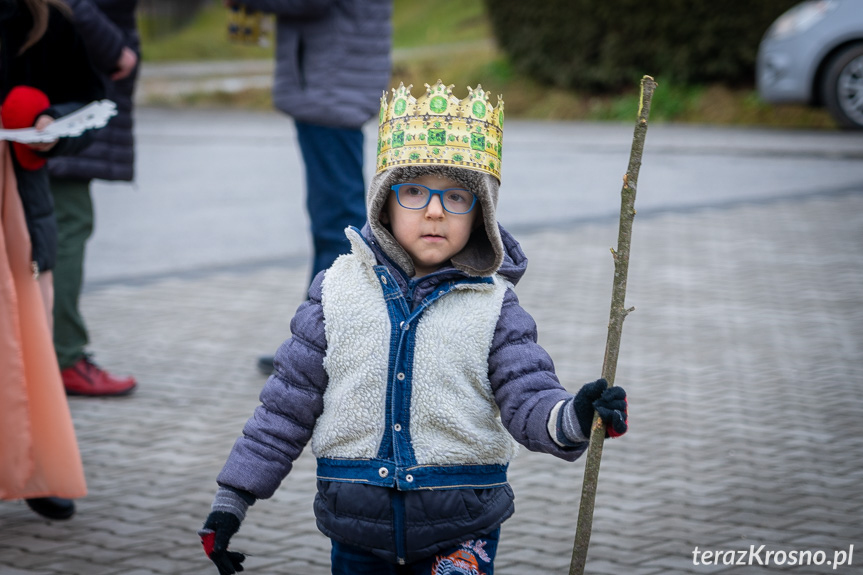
{"points": [[439, 129]]}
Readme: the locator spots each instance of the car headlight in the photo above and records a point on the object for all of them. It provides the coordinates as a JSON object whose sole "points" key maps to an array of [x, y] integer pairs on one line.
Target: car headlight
{"points": [[800, 18]]}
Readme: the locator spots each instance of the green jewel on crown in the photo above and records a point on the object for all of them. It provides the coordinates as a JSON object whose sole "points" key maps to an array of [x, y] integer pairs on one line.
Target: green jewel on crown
{"points": [[479, 102], [437, 137], [438, 105]]}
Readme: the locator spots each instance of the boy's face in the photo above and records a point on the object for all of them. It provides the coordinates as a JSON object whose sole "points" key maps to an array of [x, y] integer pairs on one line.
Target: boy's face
{"points": [[431, 235]]}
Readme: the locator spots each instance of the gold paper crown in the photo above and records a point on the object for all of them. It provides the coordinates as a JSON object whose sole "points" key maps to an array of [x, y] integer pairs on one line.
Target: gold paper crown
{"points": [[439, 129]]}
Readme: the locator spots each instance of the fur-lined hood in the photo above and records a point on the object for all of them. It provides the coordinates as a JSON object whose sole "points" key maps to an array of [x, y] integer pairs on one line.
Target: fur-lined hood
{"points": [[484, 252]]}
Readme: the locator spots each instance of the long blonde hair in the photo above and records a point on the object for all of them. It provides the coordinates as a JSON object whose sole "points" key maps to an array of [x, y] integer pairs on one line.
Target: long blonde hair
{"points": [[39, 9]]}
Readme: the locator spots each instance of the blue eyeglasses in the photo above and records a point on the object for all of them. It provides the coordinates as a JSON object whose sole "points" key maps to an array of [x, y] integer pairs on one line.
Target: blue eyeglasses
{"points": [[417, 196]]}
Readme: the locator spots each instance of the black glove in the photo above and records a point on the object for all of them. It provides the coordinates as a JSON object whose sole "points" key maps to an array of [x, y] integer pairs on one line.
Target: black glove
{"points": [[609, 403], [217, 532]]}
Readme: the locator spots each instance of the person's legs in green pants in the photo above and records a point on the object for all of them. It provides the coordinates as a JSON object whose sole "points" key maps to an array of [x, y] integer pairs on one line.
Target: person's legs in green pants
{"points": [[73, 207]]}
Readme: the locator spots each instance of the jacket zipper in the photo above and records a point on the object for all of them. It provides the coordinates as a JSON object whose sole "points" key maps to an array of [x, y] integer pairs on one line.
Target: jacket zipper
{"points": [[399, 524]]}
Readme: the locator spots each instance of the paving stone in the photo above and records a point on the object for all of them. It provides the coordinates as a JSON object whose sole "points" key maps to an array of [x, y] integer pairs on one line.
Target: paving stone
{"points": [[14, 571], [74, 565]]}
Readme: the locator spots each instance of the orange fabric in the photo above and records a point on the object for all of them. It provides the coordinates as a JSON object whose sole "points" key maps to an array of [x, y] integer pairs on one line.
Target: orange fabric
{"points": [[38, 452]]}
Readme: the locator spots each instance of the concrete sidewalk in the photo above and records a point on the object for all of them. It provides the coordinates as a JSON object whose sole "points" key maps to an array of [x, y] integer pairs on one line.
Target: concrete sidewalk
{"points": [[742, 363]]}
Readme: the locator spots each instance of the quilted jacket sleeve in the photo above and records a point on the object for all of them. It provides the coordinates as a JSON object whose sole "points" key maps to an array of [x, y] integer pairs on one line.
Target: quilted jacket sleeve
{"points": [[291, 401], [104, 40], [523, 380]]}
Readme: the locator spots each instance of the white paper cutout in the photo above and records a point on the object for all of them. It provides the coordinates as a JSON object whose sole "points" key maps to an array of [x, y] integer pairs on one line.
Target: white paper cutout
{"points": [[93, 115]]}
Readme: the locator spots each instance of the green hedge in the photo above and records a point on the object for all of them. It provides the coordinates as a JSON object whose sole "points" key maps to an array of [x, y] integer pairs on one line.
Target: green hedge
{"points": [[602, 45]]}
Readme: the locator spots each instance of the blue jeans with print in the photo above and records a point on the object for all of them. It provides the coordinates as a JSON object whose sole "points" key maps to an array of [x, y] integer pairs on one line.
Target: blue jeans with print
{"points": [[474, 557], [335, 188]]}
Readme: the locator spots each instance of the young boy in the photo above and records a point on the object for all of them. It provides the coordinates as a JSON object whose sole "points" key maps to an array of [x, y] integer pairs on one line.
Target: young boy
{"points": [[411, 367]]}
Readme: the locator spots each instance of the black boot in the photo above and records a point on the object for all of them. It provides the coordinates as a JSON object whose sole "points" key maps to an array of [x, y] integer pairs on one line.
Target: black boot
{"points": [[52, 507]]}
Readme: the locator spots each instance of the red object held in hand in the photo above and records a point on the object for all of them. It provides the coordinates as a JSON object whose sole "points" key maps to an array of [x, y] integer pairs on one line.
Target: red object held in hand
{"points": [[22, 106]]}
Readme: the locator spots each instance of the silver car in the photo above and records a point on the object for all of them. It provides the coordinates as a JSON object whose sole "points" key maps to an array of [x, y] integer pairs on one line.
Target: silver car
{"points": [[813, 54]]}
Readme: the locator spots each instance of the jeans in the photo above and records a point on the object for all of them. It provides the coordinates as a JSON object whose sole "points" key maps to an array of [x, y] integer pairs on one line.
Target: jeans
{"points": [[73, 208], [335, 188], [468, 558]]}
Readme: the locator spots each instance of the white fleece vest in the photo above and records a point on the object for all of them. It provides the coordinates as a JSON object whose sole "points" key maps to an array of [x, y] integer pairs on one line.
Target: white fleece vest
{"points": [[454, 419]]}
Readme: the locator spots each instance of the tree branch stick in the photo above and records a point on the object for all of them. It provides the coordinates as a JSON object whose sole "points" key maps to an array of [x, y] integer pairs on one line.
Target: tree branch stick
{"points": [[615, 327]]}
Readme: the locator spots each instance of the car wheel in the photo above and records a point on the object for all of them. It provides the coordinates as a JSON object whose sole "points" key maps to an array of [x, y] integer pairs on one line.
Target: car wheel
{"points": [[843, 87]]}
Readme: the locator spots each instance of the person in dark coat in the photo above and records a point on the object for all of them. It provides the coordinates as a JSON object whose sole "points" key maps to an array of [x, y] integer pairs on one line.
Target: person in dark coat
{"points": [[58, 66], [332, 64], [109, 30], [45, 73]]}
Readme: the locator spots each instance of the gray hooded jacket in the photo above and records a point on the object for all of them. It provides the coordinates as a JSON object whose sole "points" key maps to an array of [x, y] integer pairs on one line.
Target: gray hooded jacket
{"points": [[332, 58]]}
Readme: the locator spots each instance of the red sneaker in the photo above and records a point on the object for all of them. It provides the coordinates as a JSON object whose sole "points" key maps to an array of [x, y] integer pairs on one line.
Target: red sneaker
{"points": [[87, 378]]}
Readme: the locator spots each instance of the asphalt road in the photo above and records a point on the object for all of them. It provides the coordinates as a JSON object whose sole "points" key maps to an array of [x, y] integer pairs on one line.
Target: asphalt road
{"points": [[225, 189]]}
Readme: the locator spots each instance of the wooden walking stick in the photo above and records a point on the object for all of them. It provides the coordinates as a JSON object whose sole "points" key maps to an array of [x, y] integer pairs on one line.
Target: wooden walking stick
{"points": [[615, 327]]}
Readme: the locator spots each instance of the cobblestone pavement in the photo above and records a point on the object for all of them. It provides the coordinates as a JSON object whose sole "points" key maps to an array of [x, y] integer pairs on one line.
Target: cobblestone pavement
{"points": [[742, 363]]}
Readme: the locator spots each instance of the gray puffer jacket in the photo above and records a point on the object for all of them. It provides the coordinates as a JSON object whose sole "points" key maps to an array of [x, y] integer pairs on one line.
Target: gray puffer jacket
{"points": [[396, 523], [332, 58]]}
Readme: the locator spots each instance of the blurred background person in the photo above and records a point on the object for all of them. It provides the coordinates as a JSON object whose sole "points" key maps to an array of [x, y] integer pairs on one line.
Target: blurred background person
{"points": [[332, 66], [109, 31]]}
